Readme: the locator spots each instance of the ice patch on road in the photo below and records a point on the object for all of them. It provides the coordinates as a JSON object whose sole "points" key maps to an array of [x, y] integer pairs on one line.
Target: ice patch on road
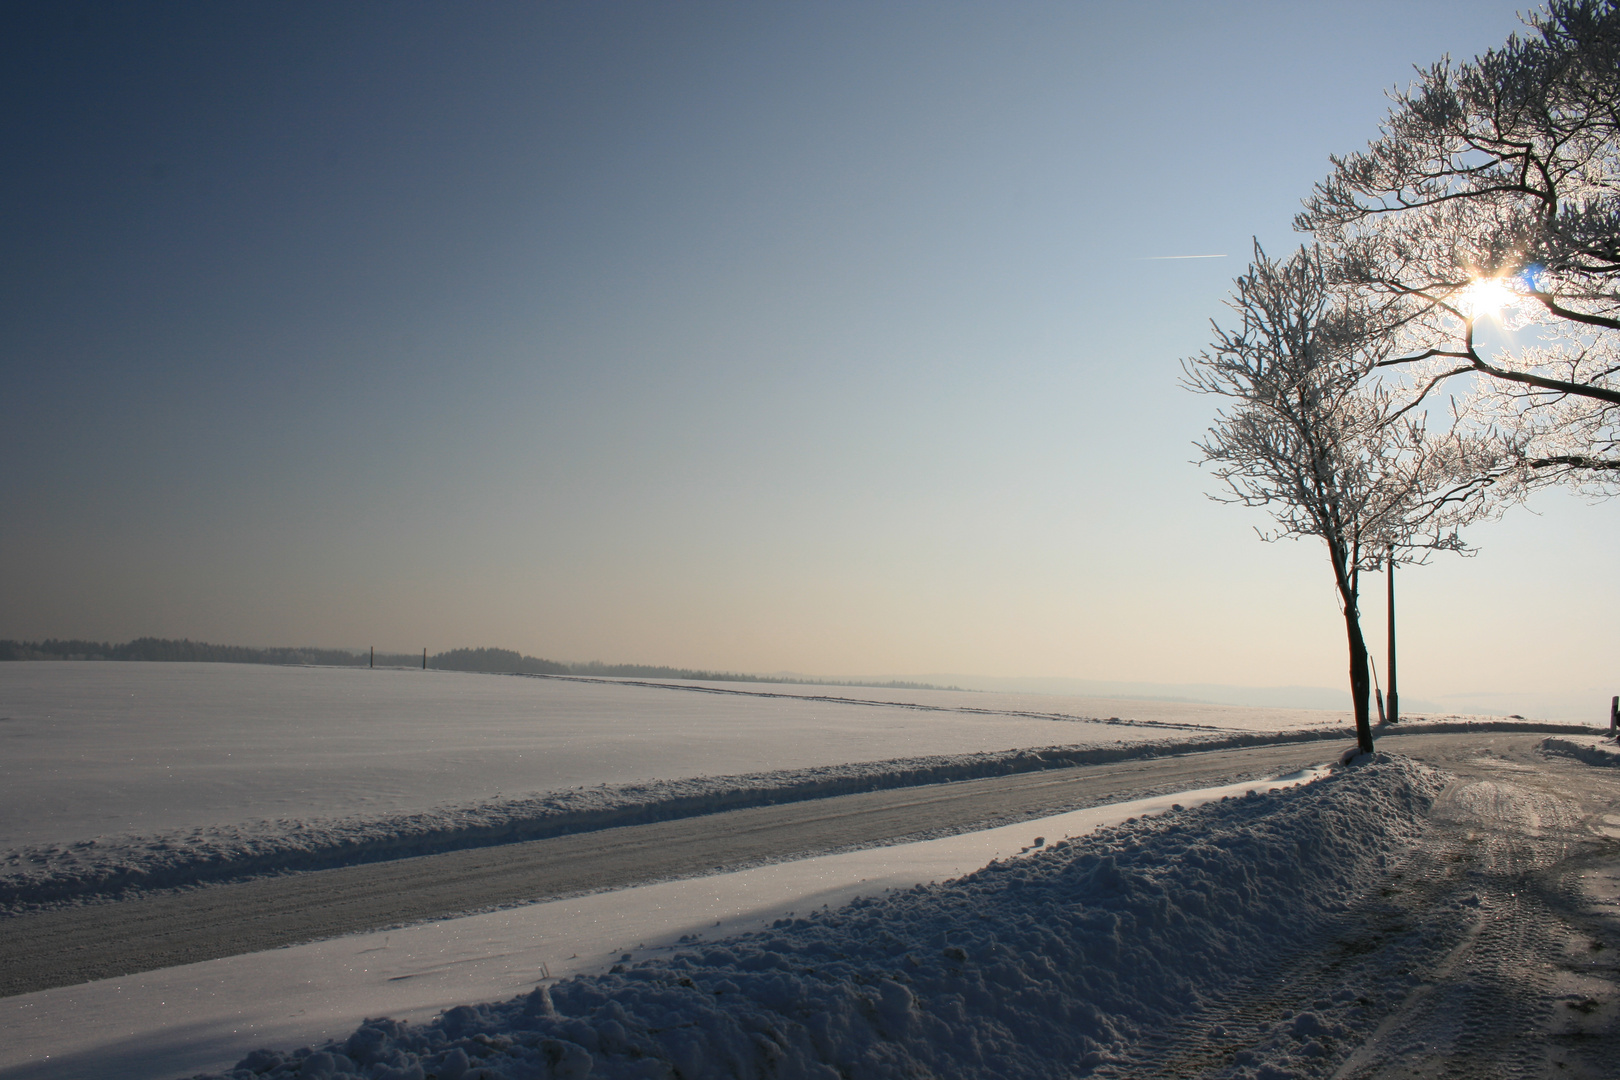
{"points": [[1057, 962]]}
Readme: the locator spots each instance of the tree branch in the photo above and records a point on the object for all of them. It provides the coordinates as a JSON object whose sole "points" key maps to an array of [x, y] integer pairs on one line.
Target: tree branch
{"points": [[1576, 461], [1584, 318]]}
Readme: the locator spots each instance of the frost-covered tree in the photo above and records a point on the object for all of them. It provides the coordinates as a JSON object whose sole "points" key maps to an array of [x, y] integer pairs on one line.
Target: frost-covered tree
{"points": [[1493, 191], [1311, 437]]}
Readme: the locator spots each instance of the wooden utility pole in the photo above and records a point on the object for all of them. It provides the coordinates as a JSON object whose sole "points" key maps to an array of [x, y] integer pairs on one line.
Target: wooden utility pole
{"points": [[1614, 714], [374, 656], [424, 659], [1389, 699]]}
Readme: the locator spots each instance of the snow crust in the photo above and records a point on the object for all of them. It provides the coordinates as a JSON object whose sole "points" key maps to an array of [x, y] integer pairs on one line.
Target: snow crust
{"points": [[1054, 963]]}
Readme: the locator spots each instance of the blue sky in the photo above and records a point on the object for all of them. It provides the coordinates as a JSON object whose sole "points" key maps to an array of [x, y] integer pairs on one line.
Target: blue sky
{"points": [[811, 337]]}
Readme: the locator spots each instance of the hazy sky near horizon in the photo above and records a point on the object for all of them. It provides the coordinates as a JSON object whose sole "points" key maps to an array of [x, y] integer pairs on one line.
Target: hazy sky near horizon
{"points": [[835, 338]]}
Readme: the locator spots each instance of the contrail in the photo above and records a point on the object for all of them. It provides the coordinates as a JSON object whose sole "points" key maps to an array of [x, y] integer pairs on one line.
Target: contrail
{"points": [[1157, 258]]}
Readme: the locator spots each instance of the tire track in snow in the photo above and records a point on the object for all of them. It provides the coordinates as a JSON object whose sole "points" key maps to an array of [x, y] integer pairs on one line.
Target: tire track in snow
{"points": [[1495, 1007], [1326, 990], [1479, 957]]}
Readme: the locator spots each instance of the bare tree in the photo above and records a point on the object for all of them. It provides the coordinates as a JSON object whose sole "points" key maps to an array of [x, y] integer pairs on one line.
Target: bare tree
{"points": [[1493, 192], [1315, 441]]}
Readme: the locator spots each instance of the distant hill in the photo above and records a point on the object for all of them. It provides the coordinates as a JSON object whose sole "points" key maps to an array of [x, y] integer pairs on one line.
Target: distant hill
{"points": [[496, 660]]}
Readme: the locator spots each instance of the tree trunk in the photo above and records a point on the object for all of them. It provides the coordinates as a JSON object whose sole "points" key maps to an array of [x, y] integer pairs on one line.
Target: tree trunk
{"points": [[1392, 698], [1344, 573], [1360, 681]]}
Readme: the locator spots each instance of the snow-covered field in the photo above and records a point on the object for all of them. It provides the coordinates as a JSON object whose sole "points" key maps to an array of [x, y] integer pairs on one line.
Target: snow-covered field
{"points": [[112, 773], [97, 748]]}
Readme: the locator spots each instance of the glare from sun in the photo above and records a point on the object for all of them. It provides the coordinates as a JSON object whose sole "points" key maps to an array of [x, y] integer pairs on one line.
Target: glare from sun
{"points": [[1486, 297]]}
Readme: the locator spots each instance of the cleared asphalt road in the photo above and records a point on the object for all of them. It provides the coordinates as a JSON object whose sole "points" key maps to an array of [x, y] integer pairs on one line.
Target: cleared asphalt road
{"points": [[62, 948]]}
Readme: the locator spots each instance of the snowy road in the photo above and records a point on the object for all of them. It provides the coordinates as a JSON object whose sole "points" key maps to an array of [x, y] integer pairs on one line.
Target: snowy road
{"points": [[1528, 986], [62, 948]]}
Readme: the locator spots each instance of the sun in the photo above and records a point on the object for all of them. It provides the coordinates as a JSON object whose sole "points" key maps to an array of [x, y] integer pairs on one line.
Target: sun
{"points": [[1486, 297]]}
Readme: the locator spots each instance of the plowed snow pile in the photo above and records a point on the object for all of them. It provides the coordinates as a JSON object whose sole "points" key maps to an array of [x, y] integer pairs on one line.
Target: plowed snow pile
{"points": [[1592, 749], [1034, 967]]}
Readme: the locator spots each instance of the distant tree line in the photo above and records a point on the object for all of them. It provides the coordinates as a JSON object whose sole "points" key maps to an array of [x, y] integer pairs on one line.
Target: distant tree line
{"points": [[494, 661], [182, 651]]}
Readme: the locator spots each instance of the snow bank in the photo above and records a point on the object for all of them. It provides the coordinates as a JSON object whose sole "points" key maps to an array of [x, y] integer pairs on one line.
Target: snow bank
{"points": [[1592, 749], [1436, 723], [108, 866], [1056, 962]]}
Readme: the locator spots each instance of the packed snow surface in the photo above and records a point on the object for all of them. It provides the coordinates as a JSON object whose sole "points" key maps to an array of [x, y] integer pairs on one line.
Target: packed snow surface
{"points": [[115, 775], [1054, 963]]}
